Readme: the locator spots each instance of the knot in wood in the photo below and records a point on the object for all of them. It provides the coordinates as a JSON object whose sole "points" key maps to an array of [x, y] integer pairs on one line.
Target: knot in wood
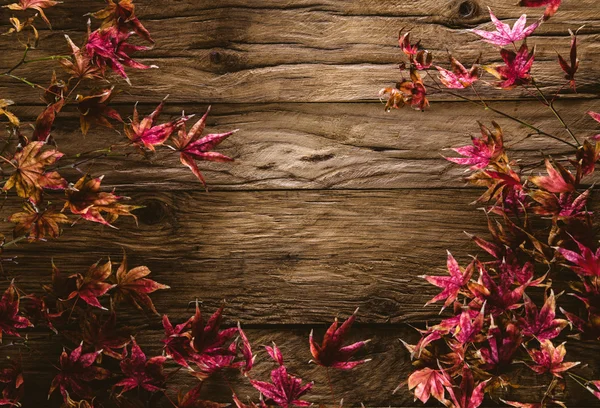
{"points": [[467, 9], [152, 212]]}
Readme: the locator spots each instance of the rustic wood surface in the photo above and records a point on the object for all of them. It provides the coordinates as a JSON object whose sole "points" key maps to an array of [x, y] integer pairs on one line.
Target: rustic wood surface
{"points": [[331, 204]]}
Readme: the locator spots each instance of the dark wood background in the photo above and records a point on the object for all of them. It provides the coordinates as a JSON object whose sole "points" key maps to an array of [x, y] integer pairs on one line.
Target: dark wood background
{"points": [[331, 203]]}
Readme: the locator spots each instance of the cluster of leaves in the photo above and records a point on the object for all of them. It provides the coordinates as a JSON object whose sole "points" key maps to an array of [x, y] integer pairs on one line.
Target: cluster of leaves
{"points": [[30, 155], [503, 310]]}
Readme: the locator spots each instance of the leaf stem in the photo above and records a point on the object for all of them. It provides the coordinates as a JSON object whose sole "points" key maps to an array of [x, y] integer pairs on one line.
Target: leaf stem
{"points": [[330, 386], [550, 105]]}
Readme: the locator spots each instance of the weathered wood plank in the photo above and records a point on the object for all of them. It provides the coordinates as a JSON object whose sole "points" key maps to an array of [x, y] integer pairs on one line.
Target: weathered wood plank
{"points": [[376, 380], [322, 146], [285, 257], [274, 54]]}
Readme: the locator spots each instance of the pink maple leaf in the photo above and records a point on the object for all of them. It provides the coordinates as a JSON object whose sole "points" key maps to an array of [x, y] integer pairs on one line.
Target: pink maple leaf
{"points": [[551, 6], [541, 324], [141, 372], [505, 35], [451, 285], [516, 70], [484, 149], [467, 394], [585, 263], [459, 76], [427, 383], [550, 359]]}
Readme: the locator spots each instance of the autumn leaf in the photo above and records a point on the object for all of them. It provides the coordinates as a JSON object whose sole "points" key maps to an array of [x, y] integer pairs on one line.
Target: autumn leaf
{"points": [[192, 147], [94, 109], [459, 76], [541, 324], [595, 391], [10, 317], [550, 359], [284, 389], [426, 383], [484, 150], [45, 120], [86, 200], [30, 176], [80, 65], [145, 133], [571, 68], [177, 341], [12, 378], [134, 286], [141, 372], [468, 394], [12, 118], [502, 345], [38, 312], [558, 180], [596, 117], [121, 14], [37, 5], [109, 48], [505, 35], [451, 285], [469, 325], [37, 225], [516, 70], [564, 205], [92, 285], [584, 263], [331, 352], [191, 399], [76, 370], [104, 337], [551, 6]]}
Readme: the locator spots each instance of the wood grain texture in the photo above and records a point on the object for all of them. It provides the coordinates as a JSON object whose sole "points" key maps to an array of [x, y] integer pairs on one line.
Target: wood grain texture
{"points": [[331, 203]]}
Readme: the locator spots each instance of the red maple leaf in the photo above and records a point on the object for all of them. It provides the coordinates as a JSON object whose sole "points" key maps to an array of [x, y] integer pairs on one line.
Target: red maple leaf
{"points": [[572, 67], [192, 147], [451, 285], [92, 284], [596, 117], [121, 14], [499, 294], [502, 345], [542, 325], [177, 341], [37, 5], [45, 120], [38, 312], [134, 286], [558, 180], [141, 372], [468, 394], [459, 76], [104, 337], [551, 6], [585, 263], [284, 389], [469, 326], [109, 48], [144, 133], [484, 150], [564, 205], [331, 352], [191, 399], [516, 70], [30, 176], [86, 200], [550, 359], [76, 370], [12, 378], [505, 35], [10, 319], [80, 66], [428, 383]]}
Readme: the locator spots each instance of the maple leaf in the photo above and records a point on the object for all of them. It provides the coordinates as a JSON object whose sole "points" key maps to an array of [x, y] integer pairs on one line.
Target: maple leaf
{"points": [[109, 48], [30, 176], [86, 200], [94, 109], [121, 14], [459, 76], [10, 318], [37, 5], [92, 285], [469, 327], [451, 285], [505, 35], [206, 337], [468, 394], [144, 133], [484, 150], [141, 372], [542, 325], [191, 399], [104, 337], [502, 346], [76, 370], [516, 70], [134, 286], [586, 158], [500, 296], [558, 180], [596, 117], [331, 353], [37, 311], [551, 6], [585, 263], [550, 359], [596, 391], [45, 120], [563, 205], [410, 50], [192, 147], [36, 225], [12, 378], [427, 383], [571, 68], [80, 66], [12, 118], [284, 389], [177, 341]]}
